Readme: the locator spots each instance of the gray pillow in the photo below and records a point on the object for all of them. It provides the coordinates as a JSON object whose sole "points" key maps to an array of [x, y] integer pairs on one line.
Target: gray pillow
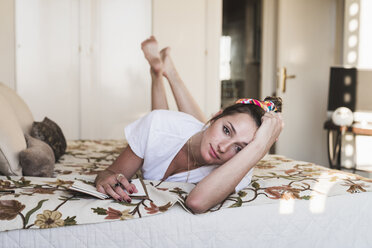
{"points": [[49, 132], [38, 159]]}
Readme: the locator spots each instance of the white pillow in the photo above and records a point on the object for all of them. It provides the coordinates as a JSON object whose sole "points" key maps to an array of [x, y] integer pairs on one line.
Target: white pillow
{"points": [[20, 108], [12, 140]]}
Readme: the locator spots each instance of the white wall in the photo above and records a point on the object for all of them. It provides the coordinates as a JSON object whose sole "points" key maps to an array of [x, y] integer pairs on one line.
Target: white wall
{"points": [[7, 43], [268, 48], [47, 60], [80, 62], [192, 29]]}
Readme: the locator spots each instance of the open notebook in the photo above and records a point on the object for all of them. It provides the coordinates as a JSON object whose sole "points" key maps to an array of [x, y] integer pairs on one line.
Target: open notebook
{"points": [[91, 190]]}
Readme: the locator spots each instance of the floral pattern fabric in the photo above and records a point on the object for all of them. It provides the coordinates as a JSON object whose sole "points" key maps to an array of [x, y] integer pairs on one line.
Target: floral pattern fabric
{"points": [[35, 202]]}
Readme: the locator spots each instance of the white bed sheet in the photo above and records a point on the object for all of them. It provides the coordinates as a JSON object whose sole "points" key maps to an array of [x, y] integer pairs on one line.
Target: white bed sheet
{"points": [[345, 222]]}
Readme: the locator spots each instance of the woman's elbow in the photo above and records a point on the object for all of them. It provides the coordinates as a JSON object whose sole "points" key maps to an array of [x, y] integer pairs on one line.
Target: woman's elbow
{"points": [[196, 205]]}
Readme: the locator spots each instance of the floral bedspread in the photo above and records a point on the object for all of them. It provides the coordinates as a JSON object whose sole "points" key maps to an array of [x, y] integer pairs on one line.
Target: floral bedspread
{"points": [[32, 202]]}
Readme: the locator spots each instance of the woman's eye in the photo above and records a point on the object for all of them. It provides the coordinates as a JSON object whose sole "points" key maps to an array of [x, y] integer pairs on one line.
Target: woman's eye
{"points": [[226, 130], [238, 148]]}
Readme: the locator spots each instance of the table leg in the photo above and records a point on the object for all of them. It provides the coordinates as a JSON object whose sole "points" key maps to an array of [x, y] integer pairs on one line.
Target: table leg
{"points": [[334, 149]]}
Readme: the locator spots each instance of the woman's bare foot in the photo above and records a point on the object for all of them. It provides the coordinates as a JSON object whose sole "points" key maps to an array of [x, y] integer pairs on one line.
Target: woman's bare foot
{"points": [[168, 66], [152, 55]]}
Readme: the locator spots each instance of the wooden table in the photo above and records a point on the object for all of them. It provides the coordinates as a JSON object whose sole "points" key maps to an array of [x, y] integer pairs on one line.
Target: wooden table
{"points": [[334, 140]]}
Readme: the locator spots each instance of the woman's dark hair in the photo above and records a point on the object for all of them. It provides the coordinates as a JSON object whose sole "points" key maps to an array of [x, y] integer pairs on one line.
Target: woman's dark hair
{"points": [[256, 112]]}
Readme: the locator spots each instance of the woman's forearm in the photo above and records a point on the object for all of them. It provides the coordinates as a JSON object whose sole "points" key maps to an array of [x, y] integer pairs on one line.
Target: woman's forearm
{"points": [[222, 181], [127, 163]]}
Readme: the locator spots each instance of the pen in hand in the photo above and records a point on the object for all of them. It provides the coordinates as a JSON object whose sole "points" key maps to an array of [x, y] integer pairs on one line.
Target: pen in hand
{"points": [[7, 191]]}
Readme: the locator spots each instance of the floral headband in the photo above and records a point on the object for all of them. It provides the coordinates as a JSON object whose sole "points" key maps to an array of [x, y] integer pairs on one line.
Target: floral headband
{"points": [[265, 105]]}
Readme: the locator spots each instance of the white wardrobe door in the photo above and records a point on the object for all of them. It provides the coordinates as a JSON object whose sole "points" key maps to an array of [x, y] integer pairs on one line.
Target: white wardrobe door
{"points": [[80, 63], [114, 73], [47, 60]]}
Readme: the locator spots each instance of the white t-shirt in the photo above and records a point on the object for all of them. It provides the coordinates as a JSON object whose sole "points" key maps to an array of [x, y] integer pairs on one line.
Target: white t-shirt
{"points": [[159, 136]]}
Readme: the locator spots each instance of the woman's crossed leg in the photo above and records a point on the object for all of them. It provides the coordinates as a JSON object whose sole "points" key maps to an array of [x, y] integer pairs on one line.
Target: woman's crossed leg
{"points": [[162, 66]]}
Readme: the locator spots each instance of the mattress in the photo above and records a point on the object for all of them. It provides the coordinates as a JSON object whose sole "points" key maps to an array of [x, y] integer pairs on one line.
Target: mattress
{"points": [[289, 203], [344, 222]]}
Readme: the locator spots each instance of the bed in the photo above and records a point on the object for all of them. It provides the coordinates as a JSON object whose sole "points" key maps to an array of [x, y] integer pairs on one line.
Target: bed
{"points": [[289, 203]]}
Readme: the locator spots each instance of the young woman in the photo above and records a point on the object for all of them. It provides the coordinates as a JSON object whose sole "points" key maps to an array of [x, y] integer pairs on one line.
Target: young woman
{"points": [[180, 146]]}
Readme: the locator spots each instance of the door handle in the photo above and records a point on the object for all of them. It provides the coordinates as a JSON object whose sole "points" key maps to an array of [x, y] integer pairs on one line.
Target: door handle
{"points": [[282, 79]]}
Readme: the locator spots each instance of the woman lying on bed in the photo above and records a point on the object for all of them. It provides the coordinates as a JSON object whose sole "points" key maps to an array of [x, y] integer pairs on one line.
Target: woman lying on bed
{"points": [[218, 155]]}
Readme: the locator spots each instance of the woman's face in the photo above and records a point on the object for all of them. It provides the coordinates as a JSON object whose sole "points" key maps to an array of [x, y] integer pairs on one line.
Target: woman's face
{"points": [[226, 136]]}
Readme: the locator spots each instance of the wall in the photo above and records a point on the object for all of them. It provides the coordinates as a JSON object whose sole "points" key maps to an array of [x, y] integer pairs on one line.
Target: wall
{"points": [[80, 63], [99, 66], [7, 43], [192, 29]]}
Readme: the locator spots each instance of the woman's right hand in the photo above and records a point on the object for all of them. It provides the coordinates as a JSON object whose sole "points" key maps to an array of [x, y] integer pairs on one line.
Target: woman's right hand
{"points": [[270, 129], [113, 184]]}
